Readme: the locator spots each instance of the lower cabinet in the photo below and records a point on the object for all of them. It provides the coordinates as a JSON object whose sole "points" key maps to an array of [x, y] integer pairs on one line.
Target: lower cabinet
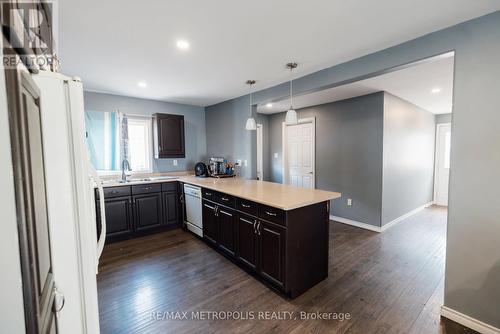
{"points": [[139, 213], [210, 226], [272, 252], [227, 229], [148, 211], [247, 241], [119, 217]]}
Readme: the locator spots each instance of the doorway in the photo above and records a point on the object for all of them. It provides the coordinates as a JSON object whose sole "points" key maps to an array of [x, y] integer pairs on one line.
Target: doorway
{"points": [[299, 143], [260, 153], [442, 163]]}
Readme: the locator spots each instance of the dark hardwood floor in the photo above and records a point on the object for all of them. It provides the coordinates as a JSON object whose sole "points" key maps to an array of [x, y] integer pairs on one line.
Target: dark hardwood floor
{"points": [[390, 282]]}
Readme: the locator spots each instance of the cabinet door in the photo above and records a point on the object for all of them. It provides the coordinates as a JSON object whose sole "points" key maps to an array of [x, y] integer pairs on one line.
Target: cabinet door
{"points": [[118, 217], [170, 208], [227, 229], [148, 211], [210, 228], [272, 252], [169, 136], [246, 241]]}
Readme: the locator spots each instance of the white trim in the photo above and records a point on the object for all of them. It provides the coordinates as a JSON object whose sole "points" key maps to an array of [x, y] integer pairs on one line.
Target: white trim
{"points": [[406, 215], [356, 223], [436, 157], [468, 321], [378, 228], [283, 149], [260, 133]]}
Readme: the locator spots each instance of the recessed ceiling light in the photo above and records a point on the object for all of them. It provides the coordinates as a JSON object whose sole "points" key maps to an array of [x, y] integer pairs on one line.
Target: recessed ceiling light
{"points": [[436, 90], [269, 105], [182, 44], [142, 84]]}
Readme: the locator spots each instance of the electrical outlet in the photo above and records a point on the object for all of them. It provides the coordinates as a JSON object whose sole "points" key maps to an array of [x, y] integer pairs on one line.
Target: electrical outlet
{"points": [[175, 162], [349, 201], [246, 163], [275, 155]]}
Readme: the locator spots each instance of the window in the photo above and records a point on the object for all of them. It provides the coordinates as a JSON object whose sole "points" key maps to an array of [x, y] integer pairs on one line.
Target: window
{"points": [[105, 142], [447, 148], [139, 144]]}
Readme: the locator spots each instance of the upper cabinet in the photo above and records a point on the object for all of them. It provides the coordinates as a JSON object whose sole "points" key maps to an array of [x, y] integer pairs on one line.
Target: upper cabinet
{"points": [[168, 134]]}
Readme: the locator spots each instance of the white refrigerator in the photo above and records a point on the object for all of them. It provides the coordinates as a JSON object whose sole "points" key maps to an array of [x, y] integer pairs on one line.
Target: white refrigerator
{"points": [[70, 183]]}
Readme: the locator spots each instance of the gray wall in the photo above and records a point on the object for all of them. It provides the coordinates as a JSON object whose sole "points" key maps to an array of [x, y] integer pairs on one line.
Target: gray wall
{"points": [[408, 172], [226, 134], [443, 118], [194, 123], [11, 290], [348, 153], [473, 237]]}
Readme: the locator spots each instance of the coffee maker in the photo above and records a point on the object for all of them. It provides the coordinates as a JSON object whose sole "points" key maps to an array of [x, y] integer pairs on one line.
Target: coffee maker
{"points": [[217, 166]]}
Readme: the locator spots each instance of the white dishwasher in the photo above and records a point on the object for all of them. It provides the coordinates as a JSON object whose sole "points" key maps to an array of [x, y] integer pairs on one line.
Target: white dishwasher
{"points": [[194, 220]]}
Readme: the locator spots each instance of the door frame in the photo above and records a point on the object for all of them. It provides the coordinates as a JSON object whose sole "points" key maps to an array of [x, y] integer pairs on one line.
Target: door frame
{"points": [[436, 160], [260, 135], [284, 148]]}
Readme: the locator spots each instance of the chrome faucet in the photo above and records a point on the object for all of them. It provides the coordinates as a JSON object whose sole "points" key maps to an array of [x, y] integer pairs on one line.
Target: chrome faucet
{"points": [[125, 165]]}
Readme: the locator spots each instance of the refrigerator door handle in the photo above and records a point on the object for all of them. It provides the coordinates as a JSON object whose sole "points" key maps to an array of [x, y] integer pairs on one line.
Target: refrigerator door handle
{"points": [[102, 210]]}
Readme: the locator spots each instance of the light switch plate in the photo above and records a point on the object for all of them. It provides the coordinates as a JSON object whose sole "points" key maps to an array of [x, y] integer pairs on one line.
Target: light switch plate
{"points": [[246, 163], [349, 201], [175, 162]]}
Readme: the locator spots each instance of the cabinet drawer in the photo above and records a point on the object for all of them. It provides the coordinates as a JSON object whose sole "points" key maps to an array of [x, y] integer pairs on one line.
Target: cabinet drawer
{"points": [[146, 188], [209, 194], [169, 186], [114, 192], [246, 206], [225, 199], [272, 214]]}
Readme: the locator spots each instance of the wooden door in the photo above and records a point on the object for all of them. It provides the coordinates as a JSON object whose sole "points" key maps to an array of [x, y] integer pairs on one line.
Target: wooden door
{"points": [[210, 228], [118, 217], [227, 229], [169, 136], [246, 241], [31, 203], [300, 155], [271, 252], [147, 211], [170, 208]]}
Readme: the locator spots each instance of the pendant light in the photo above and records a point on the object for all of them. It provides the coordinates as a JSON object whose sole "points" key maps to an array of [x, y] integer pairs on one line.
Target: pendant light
{"points": [[291, 114], [251, 124]]}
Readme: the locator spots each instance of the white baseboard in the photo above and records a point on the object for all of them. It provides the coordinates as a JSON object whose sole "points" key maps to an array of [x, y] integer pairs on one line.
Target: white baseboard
{"points": [[356, 223], [467, 321], [406, 215], [378, 228]]}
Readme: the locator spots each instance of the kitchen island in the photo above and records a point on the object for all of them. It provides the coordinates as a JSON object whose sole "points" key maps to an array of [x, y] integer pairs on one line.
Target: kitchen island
{"points": [[276, 232]]}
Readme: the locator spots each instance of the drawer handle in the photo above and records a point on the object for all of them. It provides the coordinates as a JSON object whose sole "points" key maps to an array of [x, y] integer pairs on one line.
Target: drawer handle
{"points": [[224, 199], [208, 194], [245, 205], [148, 188], [271, 214], [114, 192]]}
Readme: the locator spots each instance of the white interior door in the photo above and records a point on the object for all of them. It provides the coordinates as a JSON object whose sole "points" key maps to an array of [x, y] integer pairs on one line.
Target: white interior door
{"points": [[260, 173], [299, 153], [443, 145]]}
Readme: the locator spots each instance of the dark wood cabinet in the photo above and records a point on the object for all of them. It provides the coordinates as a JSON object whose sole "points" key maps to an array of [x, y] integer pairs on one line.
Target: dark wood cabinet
{"points": [[210, 226], [168, 132], [247, 241], [139, 209], [170, 208], [148, 211], [118, 217], [286, 249], [271, 252], [227, 229]]}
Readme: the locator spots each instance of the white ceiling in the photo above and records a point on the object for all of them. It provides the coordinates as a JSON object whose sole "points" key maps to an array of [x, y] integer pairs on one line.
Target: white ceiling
{"points": [[113, 44], [414, 84]]}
